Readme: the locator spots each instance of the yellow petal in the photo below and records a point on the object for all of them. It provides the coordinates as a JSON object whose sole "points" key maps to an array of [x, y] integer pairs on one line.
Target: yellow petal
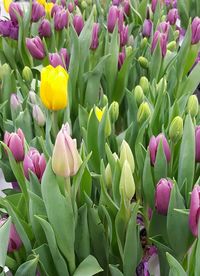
{"points": [[42, 2], [99, 113], [48, 7], [6, 4]]}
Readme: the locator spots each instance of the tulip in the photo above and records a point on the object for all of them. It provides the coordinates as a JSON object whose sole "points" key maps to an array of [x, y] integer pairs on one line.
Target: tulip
{"points": [[15, 142], [65, 158], [126, 154], [154, 5], [197, 139], [116, 2], [114, 111], [163, 27], [176, 129], [37, 12], [139, 94], [42, 2], [78, 23], [27, 74], [193, 105], [63, 3], [5, 27], [108, 176], [35, 162], [172, 16], [48, 8], [14, 239], [121, 59], [6, 4], [144, 63], [124, 36], [112, 18], [38, 115], [70, 7], [95, 40], [120, 21], [160, 38], [127, 7], [54, 97], [65, 57], [35, 47], [44, 29], [76, 2], [153, 147], [144, 113], [32, 97], [196, 30], [127, 184], [15, 105], [55, 9], [55, 60], [61, 20], [99, 113], [147, 28], [162, 195], [14, 30], [194, 213], [144, 83], [13, 9]]}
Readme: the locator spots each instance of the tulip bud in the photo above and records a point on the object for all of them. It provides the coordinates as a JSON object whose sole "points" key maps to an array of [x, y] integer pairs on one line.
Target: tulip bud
{"points": [[14, 10], [104, 100], [138, 94], [15, 105], [112, 18], [124, 36], [32, 97], [193, 105], [144, 113], [55, 60], [114, 111], [147, 28], [78, 23], [35, 47], [127, 7], [27, 74], [162, 85], [61, 20], [176, 34], [176, 129], [4, 70], [121, 59], [44, 29], [14, 239], [95, 39], [196, 30], [144, 43], [194, 210], [197, 139], [84, 4], [162, 195], [128, 51], [38, 115], [35, 162], [171, 46], [126, 154], [153, 147], [15, 142], [65, 158], [160, 38], [127, 184], [143, 62], [70, 7], [108, 176], [154, 5], [172, 16], [144, 83], [37, 12]]}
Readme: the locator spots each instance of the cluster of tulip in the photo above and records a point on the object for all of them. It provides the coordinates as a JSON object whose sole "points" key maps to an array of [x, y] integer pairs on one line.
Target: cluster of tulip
{"points": [[100, 137]]}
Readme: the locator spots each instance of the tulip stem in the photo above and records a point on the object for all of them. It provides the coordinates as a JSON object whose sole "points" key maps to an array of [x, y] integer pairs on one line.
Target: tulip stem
{"points": [[68, 186], [55, 128], [17, 257]]}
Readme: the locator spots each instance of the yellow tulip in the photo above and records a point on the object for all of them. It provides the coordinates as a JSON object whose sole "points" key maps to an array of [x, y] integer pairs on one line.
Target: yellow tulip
{"points": [[6, 4], [54, 87], [99, 113], [42, 2], [48, 7]]}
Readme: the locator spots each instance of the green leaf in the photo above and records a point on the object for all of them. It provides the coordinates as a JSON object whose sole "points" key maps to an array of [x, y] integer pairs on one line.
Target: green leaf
{"points": [[60, 216], [28, 268], [160, 167], [59, 261], [156, 62], [192, 81], [88, 267], [115, 271], [184, 8], [4, 240], [175, 268]]}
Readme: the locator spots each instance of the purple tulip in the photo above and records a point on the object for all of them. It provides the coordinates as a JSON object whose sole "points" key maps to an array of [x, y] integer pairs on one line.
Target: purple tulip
{"points": [[14, 30], [15, 142], [127, 7], [70, 7], [55, 60], [121, 59], [37, 12], [78, 23], [194, 210], [38, 115], [35, 162], [147, 28], [124, 36], [197, 136], [163, 27], [63, 3], [120, 21], [13, 9], [15, 103], [35, 47], [116, 2], [14, 239], [160, 38], [162, 195], [196, 30], [61, 20], [112, 18], [171, 3], [55, 9], [154, 5], [172, 16], [153, 147], [95, 39], [44, 29], [151, 256], [5, 27], [76, 2], [65, 57]]}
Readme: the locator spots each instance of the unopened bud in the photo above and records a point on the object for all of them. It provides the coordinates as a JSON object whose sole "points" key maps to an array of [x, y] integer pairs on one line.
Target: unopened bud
{"points": [[162, 85], [144, 83], [15, 105], [32, 97], [176, 129], [108, 176], [27, 74], [104, 100], [176, 34], [143, 62], [84, 4], [38, 115], [144, 112], [193, 105], [139, 94], [126, 154], [129, 51], [114, 112], [171, 46], [4, 70], [127, 184], [144, 42]]}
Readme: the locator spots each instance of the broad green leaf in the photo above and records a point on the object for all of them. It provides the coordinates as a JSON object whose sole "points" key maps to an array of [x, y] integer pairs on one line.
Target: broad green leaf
{"points": [[115, 271], [175, 268], [28, 268], [88, 267], [4, 240]]}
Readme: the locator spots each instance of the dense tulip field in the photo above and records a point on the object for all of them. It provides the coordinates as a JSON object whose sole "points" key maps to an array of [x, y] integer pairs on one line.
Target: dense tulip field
{"points": [[100, 138]]}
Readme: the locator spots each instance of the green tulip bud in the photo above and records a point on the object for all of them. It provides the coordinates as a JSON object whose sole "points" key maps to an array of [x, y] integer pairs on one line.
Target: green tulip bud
{"points": [[108, 176], [162, 85], [104, 100], [144, 112], [139, 94], [144, 42], [193, 105], [127, 184], [89, 2], [4, 70], [171, 46], [128, 50], [130, 41], [114, 111], [126, 154], [143, 62], [27, 74], [144, 83], [95, 10], [84, 4], [176, 129], [176, 34]]}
